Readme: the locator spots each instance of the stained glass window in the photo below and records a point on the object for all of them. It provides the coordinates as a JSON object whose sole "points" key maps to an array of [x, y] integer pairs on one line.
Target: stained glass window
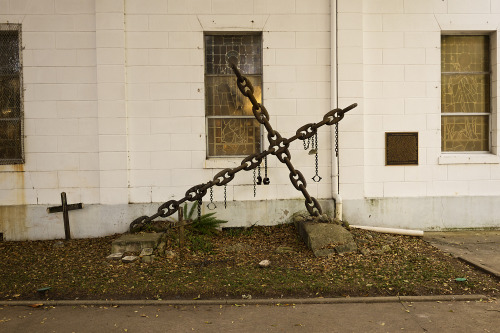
{"points": [[465, 93], [232, 128]]}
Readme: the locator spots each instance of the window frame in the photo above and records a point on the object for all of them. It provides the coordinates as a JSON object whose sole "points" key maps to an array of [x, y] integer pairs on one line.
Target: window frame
{"points": [[490, 73], [9, 27], [205, 75]]}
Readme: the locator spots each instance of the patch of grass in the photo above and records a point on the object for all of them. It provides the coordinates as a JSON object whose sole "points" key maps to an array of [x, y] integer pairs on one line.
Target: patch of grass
{"points": [[210, 269]]}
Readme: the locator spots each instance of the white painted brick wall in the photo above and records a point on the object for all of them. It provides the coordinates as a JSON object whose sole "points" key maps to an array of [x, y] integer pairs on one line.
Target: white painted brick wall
{"points": [[115, 96], [401, 55]]}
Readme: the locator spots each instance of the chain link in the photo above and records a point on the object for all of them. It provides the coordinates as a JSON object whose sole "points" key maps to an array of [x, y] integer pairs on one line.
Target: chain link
{"points": [[211, 205], [278, 147], [317, 178], [266, 180], [254, 184], [199, 209]]}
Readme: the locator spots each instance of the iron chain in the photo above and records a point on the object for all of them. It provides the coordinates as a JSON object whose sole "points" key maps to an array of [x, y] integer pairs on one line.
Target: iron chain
{"points": [[278, 147]]}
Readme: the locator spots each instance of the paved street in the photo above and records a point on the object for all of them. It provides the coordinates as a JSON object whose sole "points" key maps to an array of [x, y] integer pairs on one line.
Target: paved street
{"points": [[435, 316]]}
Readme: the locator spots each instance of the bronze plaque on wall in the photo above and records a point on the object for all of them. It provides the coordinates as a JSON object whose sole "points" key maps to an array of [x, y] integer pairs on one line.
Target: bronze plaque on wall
{"points": [[401, 148]]}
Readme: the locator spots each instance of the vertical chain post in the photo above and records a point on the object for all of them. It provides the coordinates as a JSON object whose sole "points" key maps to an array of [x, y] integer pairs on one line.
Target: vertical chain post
{"points": [[181, 231], [225, 197], [199, 209], [337, 154]]}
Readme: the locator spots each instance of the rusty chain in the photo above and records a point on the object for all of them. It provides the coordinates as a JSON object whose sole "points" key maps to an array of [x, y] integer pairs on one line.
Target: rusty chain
{"points": [[278, 146]]}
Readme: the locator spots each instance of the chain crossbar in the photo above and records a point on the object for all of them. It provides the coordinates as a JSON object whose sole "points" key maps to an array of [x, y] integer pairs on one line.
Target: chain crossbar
{"points": [[278, 146]]}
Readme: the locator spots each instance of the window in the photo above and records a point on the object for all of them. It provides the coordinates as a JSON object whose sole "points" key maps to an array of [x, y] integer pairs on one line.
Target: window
{"points": [[231, 127], [11, 108], [465, 93]]}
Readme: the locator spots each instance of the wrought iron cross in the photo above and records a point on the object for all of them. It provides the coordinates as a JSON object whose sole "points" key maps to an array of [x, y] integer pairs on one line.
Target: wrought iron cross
{"points": [[278, 146], [65, 208]]}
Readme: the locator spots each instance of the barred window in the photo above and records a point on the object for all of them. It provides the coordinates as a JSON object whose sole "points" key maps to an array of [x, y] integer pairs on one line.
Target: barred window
{"points": [[231, 127], [465, 93], [11, 106]]}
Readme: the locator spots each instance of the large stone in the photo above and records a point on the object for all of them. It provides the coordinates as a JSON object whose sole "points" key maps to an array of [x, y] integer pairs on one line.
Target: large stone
{"points": [[319, 236], [115, 256], [135, 242], [146, 252]]}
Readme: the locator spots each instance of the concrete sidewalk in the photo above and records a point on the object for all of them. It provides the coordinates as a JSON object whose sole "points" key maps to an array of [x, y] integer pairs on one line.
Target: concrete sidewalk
{"points": [[435, 316], [479, 248]]}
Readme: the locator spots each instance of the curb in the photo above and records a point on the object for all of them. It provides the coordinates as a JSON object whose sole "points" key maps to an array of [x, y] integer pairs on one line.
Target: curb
{"points": [[244, 302], [480, 266]]}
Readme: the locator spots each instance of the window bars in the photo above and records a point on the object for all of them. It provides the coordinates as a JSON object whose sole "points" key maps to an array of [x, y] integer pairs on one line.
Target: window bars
{"points": [[11, 95]]}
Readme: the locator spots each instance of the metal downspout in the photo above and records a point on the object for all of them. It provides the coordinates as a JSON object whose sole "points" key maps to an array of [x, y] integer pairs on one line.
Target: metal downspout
{"points": [[333, 104]]}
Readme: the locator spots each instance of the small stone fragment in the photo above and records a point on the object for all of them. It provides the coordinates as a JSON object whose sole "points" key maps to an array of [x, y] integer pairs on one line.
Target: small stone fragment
{"points": [[323, 218], [147, 259], [115, 256], [264, 263], [246, 296], [170, 254], [146, 252], [365, 252], [386, 248], [161, 247], [337, 221], [129, 259], [346, 225], [59, 244]]}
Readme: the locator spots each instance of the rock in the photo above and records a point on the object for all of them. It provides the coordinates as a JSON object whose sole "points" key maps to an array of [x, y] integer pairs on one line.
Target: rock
{"points": [[323, 218], [115, 256], [362, 241], [59, 244], [129, 259], [382, 250], [146, 252], [170, 254], [298, 216], [238, 247], [365, 252], [345, 248], [147, 259], [386, 248], [337, 221], [284, 249], [161, 248], [318, 236], [135, 242], [246, 296], [264, 263], [346, 225]]}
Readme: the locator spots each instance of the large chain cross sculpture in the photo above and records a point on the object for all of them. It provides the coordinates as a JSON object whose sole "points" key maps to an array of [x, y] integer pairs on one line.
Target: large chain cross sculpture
{"points": [[278, 146]]}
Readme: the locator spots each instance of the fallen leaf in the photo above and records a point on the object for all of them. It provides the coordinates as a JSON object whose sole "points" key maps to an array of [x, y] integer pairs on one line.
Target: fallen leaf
{"points": [[36, 305]]}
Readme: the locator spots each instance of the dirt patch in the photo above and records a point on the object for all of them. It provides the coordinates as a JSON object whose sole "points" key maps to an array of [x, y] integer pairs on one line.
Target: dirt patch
{"points": [[210, 268]]}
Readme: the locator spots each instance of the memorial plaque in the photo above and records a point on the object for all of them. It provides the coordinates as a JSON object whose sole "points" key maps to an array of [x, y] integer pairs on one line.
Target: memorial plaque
{"points": [[401, 148]]}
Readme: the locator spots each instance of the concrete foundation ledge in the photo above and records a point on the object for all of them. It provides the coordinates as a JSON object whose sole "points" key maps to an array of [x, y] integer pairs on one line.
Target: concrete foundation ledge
{"points": [[270, 301]]}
